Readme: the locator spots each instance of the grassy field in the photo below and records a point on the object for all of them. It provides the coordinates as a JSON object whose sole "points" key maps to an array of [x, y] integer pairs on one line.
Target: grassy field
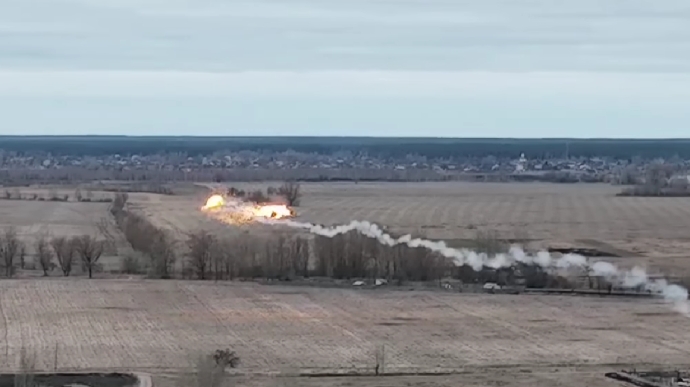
{"points": [[156, 326], [647, 231]]}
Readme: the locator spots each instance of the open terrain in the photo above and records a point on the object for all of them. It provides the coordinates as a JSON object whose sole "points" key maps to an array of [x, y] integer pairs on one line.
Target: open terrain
{"points": [[647, 231], [62, 219], [158, 326], [520, 340]]}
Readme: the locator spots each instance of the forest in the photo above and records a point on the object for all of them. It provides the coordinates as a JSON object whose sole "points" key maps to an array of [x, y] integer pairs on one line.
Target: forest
{"points": [[376, 146]]}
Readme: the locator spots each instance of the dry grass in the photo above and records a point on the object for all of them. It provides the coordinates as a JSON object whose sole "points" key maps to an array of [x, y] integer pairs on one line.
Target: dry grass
{"points": [[651, 230], [61, 219], [495, 339], [155, 325]]}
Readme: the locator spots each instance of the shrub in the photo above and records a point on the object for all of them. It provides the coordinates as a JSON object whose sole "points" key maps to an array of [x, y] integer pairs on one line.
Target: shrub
{"points": [[257, 197], [291, 192], [131, 264]]}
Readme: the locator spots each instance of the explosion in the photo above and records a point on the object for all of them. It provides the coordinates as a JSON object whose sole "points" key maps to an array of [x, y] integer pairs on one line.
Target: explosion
{"points": [[234, 210], [214, 202], [273, 211]]}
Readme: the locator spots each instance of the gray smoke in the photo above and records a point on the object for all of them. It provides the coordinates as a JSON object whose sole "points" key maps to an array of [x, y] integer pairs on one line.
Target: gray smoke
{"points": [[634, 278]]}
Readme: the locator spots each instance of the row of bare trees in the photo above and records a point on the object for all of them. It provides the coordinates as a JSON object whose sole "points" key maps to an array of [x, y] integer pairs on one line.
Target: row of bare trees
{"points": [[157, 246], [285, 256], [246, 256], [345, 256], [85, 248], [353, 255], [290, 191], [53, 196], [657, 181]]}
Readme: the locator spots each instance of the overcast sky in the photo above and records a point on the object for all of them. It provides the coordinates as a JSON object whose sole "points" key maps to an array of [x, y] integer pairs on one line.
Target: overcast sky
{"points": [[451, 68]]}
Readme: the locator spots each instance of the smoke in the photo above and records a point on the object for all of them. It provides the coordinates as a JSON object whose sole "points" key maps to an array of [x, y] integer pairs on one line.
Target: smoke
{"points": [[635, 278], [460, 257]]}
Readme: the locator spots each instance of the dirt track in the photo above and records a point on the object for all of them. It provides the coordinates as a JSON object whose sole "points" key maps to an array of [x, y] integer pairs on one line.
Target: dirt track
{"points": [[565, 377]]}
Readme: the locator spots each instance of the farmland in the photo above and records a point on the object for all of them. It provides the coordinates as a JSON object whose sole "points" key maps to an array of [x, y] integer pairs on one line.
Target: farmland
{"points": [[641, 230], [62, 219], [159, 326], [155, 325]]}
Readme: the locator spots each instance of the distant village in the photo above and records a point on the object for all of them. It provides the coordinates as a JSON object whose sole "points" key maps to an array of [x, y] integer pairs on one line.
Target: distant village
{"points": [[594, 169]]}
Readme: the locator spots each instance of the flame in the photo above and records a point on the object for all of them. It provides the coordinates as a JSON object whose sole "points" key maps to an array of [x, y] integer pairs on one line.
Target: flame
{"points": [[234, 210], [273, 211], [214, 202]]}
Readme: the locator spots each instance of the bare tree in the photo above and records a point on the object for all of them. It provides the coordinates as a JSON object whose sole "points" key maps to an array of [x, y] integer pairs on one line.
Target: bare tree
{"points": [[222, 262], [201, 248], [657, 182], [257, 197], [64, 250], [162, 254], [22, 255], [291, 192], [10, 247], [104, 230], [43, 253], [489, 242], [119, 202], [657, 177], [299, 256], [90, 251]]}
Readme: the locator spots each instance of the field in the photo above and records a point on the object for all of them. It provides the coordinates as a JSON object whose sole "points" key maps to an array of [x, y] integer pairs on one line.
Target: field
{"points": [[522, 340], [156, 326], [62, 219], [647, 231]]}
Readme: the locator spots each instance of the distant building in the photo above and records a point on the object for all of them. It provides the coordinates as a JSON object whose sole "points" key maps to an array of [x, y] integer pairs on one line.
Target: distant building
{"points": [[521, 165]]}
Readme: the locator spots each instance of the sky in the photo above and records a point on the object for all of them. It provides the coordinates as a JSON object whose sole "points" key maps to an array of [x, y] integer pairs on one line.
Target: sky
{"points": [[427, 68]]}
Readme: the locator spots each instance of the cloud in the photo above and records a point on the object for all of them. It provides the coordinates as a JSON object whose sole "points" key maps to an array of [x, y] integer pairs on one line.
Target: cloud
{"points": [[462, 35], [492, 67], [367, 84]]}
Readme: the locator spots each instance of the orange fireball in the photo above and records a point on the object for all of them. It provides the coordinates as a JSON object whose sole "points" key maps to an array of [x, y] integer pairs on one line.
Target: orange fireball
{"points": [[273, 211], [214, 202], [235, 211]]}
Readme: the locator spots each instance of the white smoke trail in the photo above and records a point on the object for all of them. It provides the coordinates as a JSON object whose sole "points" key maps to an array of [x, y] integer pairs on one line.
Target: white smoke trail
{"points": [[636, 277], [460, 257]]}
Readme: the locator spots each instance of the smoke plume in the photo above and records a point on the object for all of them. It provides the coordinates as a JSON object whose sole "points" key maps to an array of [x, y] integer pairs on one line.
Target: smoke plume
{"points": [[634, 278]]}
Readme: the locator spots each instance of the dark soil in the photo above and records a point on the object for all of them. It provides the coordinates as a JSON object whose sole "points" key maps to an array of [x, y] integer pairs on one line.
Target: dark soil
{"points": [[584, 251], [60, 380]]}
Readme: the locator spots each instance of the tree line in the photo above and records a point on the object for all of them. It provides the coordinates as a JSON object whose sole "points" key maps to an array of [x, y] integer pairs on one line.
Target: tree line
{"points": [[657, 180], [289, 191], [85, 249], [434, 148], [285, 256]]}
